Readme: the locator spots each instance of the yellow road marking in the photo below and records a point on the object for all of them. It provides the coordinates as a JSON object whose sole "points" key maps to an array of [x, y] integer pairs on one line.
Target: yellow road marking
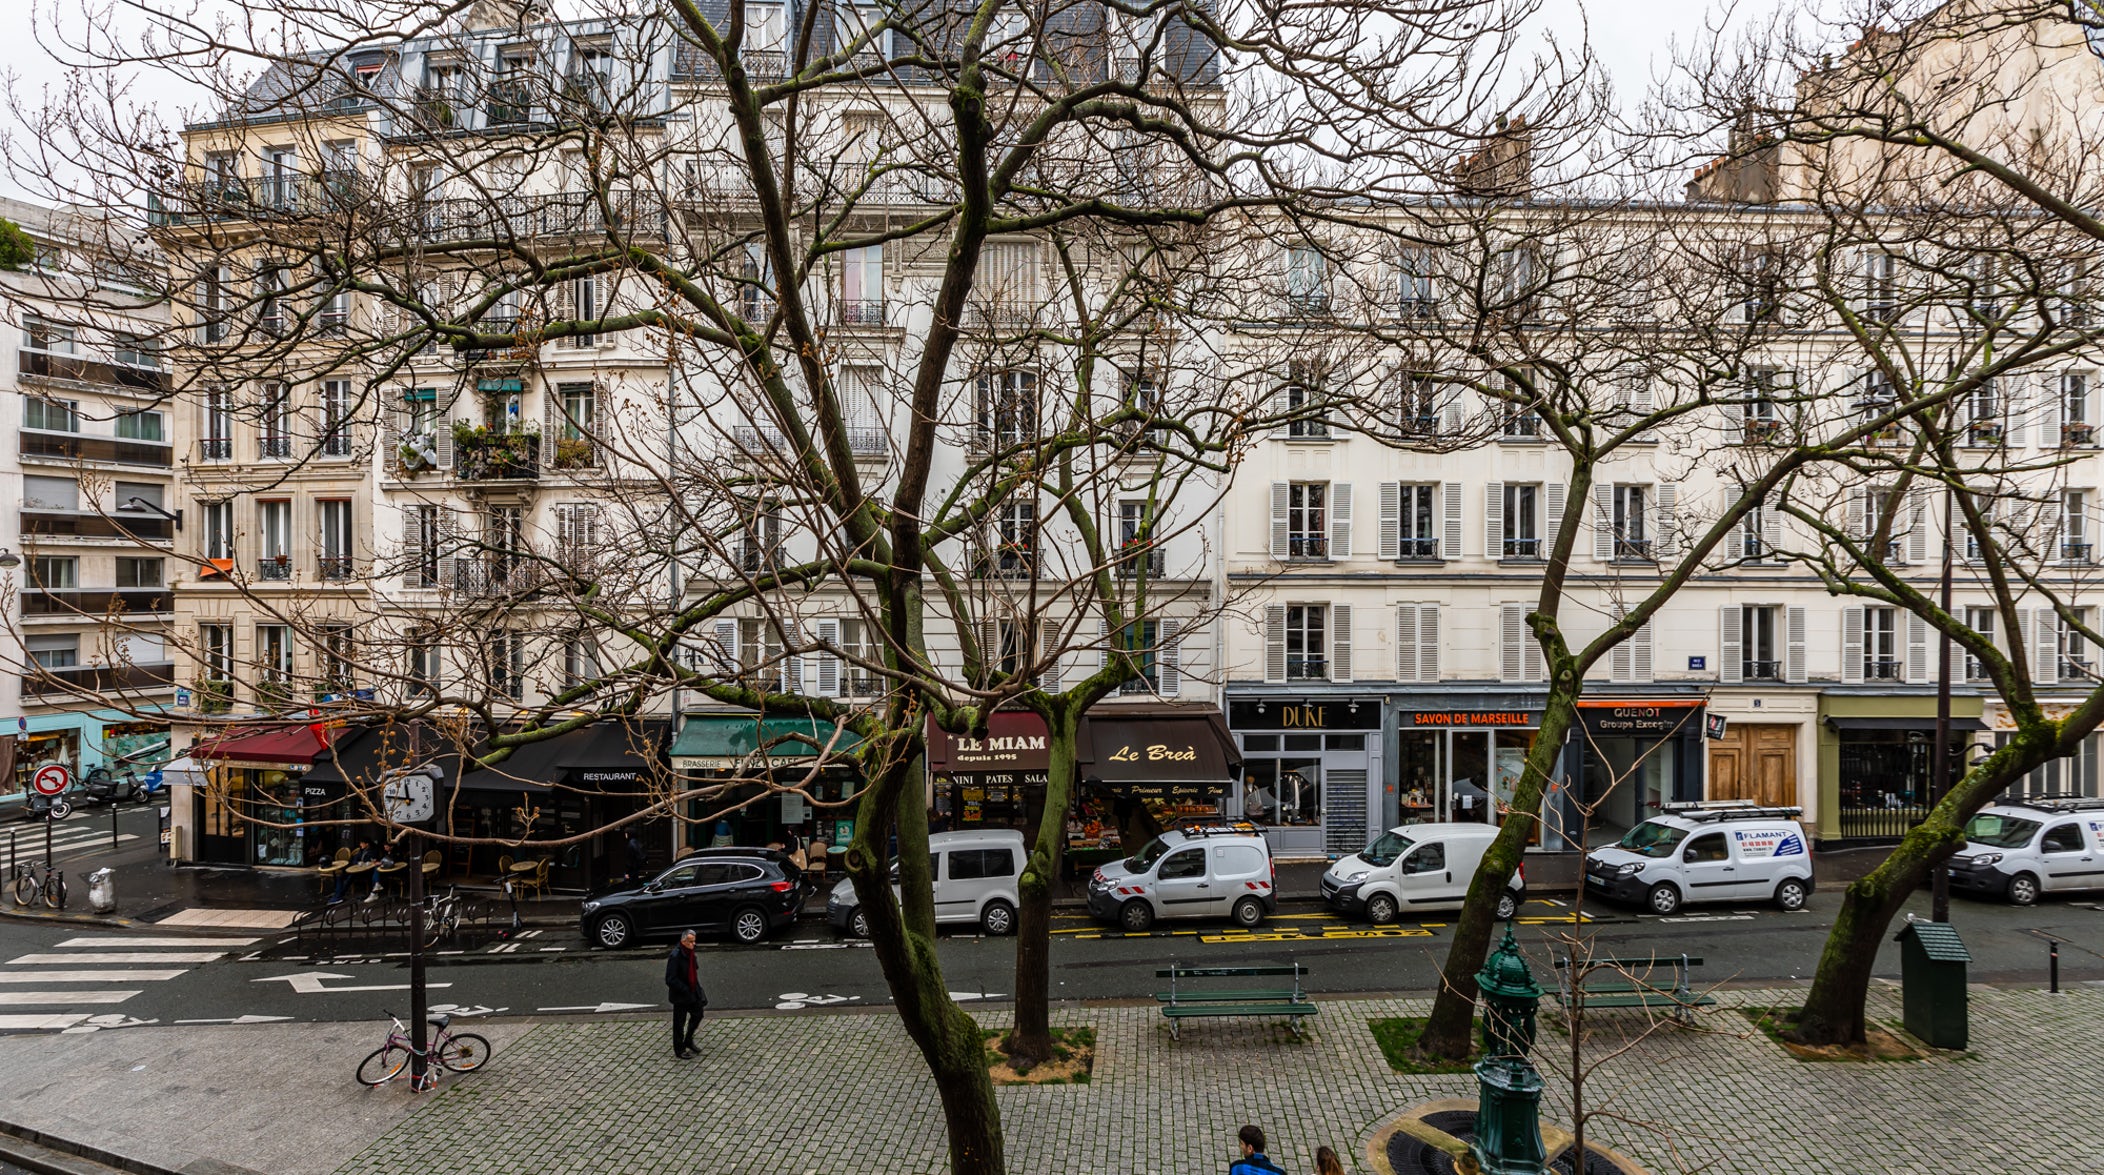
{"points": [[1298, 936]]}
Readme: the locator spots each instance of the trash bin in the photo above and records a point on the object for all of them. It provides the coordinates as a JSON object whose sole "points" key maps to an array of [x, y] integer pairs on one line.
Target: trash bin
{"points": [[102, 891], [1932, 960]]}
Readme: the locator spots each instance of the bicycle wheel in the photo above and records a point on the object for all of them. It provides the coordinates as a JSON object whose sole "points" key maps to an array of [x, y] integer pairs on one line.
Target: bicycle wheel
{"points": [[26, 890], [463, 1052], [384, 1065], [55, 892]]}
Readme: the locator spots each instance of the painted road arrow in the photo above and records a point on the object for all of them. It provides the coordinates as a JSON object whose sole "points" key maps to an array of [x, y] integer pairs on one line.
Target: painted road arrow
{"points": [[599, 1008], [310, 982], [239, 1020]]}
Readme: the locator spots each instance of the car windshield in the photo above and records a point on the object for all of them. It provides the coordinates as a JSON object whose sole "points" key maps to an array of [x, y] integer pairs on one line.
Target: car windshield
{"points": [[1652, 839], [2000, 832], [1146, 857], [1383, 852]]}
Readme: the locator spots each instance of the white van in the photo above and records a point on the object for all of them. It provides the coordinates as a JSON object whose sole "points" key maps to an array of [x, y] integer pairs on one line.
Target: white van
{"points": [[974, 875], [1716, 852], [2043, 845], [1416, 867], [1199, 871]]}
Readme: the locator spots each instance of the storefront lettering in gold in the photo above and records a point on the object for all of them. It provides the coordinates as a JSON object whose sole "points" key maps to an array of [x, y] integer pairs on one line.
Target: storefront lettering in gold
{"points": [[1156, 753], [1303, 716]]}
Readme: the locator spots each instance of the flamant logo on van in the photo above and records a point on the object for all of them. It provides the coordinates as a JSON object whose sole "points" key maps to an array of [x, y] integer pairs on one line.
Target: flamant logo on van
{"points": [[1757, 843]]}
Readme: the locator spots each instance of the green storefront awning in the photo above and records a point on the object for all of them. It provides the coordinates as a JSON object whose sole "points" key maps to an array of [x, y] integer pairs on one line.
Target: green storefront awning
{"points": [[714, 742]]}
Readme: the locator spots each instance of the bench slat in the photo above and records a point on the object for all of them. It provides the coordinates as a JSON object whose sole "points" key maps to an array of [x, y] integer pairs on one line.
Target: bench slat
{"points": [[1231, 972], [1181, 1011], [1226, 996]]}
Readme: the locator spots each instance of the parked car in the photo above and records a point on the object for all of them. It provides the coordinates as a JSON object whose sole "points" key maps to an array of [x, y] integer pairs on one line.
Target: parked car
{"points": [[1199, 871], [2044, 845], [1416, 867], [745, 893], [974, 875], [1714, 852]]}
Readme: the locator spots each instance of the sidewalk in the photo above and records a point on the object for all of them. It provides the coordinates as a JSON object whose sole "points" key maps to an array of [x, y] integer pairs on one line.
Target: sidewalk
{"points": [[845, 1094]]}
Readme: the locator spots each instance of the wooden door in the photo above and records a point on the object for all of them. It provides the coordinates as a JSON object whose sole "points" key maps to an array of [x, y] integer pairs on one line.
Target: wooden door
{"points": [[1755, 761]]}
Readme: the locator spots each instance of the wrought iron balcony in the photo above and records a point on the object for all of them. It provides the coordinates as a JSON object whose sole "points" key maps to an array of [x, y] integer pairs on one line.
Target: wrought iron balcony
{"points": [[146, 677], [54, 365], [1761, 670], [482, 454], [276, 567], [337, 567]]}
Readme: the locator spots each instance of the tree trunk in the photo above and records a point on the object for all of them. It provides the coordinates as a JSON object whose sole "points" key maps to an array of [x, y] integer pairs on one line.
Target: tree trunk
{"points": [[1030, 1041], [1447, 1034]]}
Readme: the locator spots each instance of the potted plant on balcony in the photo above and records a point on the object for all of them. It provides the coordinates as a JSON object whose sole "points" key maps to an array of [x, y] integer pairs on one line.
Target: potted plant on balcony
{"points": [[572, 453], [214, 696], [416, 453]]}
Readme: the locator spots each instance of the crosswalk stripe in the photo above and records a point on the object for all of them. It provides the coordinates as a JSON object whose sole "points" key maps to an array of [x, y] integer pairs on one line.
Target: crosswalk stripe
{"points": [[41, 1022], [119, 976], [117, 957], [65, 997], [103, 940]]}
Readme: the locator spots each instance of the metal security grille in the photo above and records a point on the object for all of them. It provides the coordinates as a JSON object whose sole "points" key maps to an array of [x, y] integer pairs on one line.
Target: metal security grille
{"points": [[1884, 788], [1344, 828]]}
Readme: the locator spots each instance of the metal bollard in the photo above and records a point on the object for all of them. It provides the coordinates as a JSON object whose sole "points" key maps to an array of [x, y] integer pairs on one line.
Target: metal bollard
{"points": [[2053, 966], [113, 825]]}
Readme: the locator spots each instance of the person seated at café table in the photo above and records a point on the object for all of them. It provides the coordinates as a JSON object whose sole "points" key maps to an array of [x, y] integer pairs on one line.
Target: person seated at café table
{"points": [[364, 856]]}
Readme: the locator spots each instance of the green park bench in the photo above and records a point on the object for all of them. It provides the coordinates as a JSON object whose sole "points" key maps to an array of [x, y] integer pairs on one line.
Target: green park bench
{"points": [[1628, 983], [1181, 1003]]}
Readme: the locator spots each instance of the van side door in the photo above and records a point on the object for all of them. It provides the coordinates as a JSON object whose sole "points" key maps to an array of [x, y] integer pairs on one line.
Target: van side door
{"points": [[972, 875], [2067, 859], [1427, 878], [1183, 887], [1708, 870]]}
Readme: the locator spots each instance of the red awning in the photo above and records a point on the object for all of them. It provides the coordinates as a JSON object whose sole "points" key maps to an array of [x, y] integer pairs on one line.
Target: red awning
{"points": [[276, 744], [1015, 740]]}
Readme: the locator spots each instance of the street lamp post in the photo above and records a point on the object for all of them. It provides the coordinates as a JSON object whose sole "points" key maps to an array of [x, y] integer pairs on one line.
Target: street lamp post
{"points": [[1940, 754]]}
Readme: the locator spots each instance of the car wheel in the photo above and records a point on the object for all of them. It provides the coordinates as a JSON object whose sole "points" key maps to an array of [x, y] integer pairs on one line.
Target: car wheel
{"points": [[858, 924], [1136, 916], [1508, 905], [998, 919], [613, 931], [1380, 909], [1791, 895], [1663, 899], [1248, 912], [749, 925], [2023, 890]]}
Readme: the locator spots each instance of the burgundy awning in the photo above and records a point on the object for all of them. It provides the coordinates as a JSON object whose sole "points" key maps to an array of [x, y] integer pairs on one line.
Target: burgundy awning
{"points": [[298, 744], [1015, 740]]}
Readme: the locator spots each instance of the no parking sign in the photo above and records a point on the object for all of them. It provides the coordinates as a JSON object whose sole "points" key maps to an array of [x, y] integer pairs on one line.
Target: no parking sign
{"points": [[51, 779]]}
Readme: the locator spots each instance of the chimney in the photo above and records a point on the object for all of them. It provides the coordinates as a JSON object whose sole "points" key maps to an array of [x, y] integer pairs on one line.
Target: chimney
{"points": [[503, 14], [1503, 168]]}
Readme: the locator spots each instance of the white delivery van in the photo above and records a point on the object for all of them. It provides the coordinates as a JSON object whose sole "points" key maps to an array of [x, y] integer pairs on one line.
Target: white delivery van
{"points": [[2017, 851], [1714, 852], [974, 875], [1416, 867], [1199, 871]]}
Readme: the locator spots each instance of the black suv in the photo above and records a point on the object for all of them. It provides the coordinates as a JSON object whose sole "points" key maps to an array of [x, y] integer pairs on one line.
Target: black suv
{"points": [[748, 892]]}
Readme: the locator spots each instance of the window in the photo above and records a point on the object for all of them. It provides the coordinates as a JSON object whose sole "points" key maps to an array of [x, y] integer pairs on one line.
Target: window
{"points": [[2065, 838], [53, 493], [420, 412], [136, 351], [756, 284], [53, 650], [142, 425], [1516, 283], [2076, 428], [1419, 406], [1417, 292], [336, 418], [277, 420], [1009, 274], [1306, 652], [577, 530], [270, 300], [862, 286], [765, 28], [1137, 550], [2075, 661], [274, 651], [1007, 407], [55, 338], [1307, 520], [218, 529], [1305, 402], [51, 415], [583, 296], [1182, 864], [218, 441], [1017, 551], [2074, 527], [211, 303], [580, 406], [1148, 642], [1522, 536], [138, 572], [861, 645], [54, 573], [425, 663], [580, 662], [1880, 287], [969, 864], [507, 664], [1709, 846], [215, 644], [1307, 280], [1881, 661], [1753, 532], [274, 525], [1522, 420], [761, 537], [1429, 858], [2071, 303], [336, 539], [1418, 534], [1760, 284], [1761, 654], [1982, 621], [423, 543], [1761, 419], [1632, 536], [1983, 415], [338, 656]]}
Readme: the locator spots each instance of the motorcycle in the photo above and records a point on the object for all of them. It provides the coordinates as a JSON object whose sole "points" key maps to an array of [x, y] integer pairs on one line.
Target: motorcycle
{"points": [[99, 786], [38, 806]]}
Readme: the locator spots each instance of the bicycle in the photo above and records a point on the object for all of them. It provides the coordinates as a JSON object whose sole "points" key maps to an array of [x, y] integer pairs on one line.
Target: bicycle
{"points": [[441, 916], [50, 888], [460, 1052]]}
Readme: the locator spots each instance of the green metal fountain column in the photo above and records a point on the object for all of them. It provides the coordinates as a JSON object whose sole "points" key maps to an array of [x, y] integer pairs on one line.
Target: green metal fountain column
{"points": [[1508, 1106]]}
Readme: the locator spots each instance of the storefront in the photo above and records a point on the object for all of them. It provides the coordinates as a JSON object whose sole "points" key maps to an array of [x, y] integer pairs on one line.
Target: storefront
{"points": [[1459, 756], [557, 792], [254, 808], [1311, 771], [343, 787], [81, 742], [1874, 758], [1637, 756], [993, 782], [1146, 768], [1763, 747], [756, 759]]}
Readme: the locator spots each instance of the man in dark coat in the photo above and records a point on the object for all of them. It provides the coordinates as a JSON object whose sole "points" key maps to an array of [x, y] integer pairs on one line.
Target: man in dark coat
{"points": [[683, 988]]}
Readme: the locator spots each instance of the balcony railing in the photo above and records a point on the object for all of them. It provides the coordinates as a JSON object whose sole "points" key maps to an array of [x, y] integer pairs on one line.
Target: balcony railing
{"points": [[1418, 548], [1303, 668], [226, 198], [482, 455], [2075, 553], [1882, 669], [1315, 429], [72, 368], [1307, 546], [1526, 426], [1309, 305], [515, 217], [1133, 558], [274, 567], [1761, 429], [214, 696], [337, 567], [275, 446], [1984, 436], [492, 575], [91, 602], [215, 449], [862, 440], [2078, 436], [861, 311], [1525, 549], [100, 679], [73, 446], [1761, 670], [72, 524], [1636, 550], [336, 440]]}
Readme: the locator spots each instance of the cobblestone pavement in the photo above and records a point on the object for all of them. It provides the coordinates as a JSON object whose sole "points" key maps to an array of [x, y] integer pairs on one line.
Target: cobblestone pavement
{"points": [[833, 1094]]}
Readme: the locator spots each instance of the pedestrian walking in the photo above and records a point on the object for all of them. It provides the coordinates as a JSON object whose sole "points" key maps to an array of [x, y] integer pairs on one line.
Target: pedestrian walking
{"points": [[683, 988], [1253, 1160], [634, 848], [1326, 1162]]}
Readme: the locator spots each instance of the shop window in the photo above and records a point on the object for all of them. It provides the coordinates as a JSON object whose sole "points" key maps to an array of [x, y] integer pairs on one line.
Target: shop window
{"points": [[1283, 792]]}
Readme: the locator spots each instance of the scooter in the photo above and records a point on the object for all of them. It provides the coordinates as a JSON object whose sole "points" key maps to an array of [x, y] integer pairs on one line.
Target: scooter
{"points": [[38, 806], [101, 787]]}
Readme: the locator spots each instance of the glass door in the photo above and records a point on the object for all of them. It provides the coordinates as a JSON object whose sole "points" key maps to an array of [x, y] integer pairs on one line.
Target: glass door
{"points": [[1467, 795], [1420, 776]]}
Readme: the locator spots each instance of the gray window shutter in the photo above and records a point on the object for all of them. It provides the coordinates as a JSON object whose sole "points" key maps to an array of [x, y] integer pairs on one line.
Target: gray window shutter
{"points": [[1406, 642], [1169, 676], [1281, 498], [1279, 407], [1512, 631], [727, 646], [1603, 521], [2020, 648], [443, 416], [412, 546], [1852, 644], [1450, 521], [2049, 418], [1494, 520], [1859, 514], [1340, 520], [1731, 641], [1917, 526], [1642, 402], [990, 647], [1047, 648], [1428, 642], [1772, 530], [1275, 642], [822, 669], [2046, 632], [1340, 642], [1554, 520], [1391, 520], [1793, 656], [1668, 531], [1917, 649]]}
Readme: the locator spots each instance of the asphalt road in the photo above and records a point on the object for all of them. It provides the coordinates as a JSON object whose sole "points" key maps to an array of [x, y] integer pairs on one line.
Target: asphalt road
{"points": [[59, 978]]}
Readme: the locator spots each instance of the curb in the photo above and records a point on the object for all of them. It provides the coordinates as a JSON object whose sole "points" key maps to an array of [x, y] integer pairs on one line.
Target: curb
{"points": [[49, 1154], [64, 918]]}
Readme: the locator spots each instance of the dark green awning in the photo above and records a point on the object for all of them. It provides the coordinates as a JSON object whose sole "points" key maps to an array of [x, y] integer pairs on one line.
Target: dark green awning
{"points": [[500, 385], [713, 742]]}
